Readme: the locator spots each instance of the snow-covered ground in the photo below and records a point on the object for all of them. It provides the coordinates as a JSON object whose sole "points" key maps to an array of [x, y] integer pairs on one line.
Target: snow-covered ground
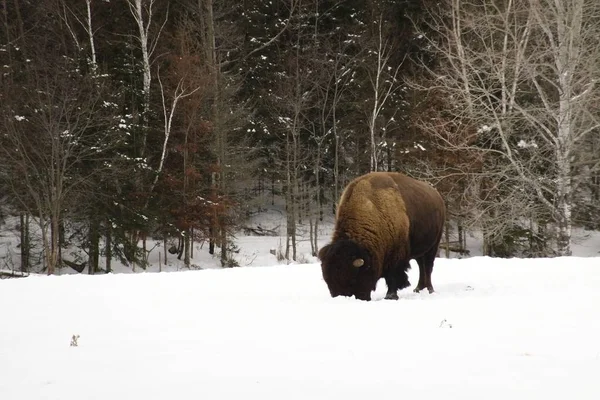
{"points": [[495, 329], [251, 251]]}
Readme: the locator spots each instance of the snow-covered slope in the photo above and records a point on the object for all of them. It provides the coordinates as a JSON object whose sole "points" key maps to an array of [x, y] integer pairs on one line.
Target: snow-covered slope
{"points": [[495, 329]]}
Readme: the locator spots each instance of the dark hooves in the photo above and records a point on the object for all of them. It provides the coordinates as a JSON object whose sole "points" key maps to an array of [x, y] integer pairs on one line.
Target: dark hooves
{"points": [[391, 296], [418, 289]]}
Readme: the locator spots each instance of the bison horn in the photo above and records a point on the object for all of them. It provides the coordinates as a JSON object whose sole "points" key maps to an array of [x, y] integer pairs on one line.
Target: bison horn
{"points": [[359, 262]]}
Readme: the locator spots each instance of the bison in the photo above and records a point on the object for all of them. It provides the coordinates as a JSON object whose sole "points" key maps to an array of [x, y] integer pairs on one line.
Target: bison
{"points": [[383, 220]]}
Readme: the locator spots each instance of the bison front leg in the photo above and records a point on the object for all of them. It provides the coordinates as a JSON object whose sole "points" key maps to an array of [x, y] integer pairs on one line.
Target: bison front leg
{"points": [[396, 279], [363, 296]]}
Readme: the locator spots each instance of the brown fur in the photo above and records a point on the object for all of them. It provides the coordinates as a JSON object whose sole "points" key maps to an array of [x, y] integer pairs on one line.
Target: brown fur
{"points": [[387, 219]]}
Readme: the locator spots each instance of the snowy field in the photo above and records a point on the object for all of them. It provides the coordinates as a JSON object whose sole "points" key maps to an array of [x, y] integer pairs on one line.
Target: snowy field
{"points": [[495, 329]]}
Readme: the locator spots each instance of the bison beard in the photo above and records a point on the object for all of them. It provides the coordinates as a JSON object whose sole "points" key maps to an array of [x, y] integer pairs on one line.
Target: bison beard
{"points": [[383, 221]]}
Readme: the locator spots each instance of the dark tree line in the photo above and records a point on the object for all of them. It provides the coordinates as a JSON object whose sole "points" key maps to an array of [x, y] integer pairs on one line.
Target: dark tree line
{"points": [[129, 119]]}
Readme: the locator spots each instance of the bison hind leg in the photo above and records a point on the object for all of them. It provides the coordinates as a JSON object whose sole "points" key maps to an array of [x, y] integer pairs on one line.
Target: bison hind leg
{"points": [[425, 269]]}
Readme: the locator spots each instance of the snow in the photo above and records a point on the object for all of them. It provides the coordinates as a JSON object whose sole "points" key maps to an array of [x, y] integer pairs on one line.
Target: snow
{"points": [[495, 329], [525, 145]]}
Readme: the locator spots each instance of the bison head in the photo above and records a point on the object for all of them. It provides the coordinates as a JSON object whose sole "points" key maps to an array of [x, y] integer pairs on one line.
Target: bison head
{"points": [[347, 269]]}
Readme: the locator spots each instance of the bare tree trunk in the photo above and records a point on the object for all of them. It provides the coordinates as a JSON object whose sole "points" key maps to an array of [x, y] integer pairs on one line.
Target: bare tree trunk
{"points": [[144, 263], [312, 236], [212, 229], [563, 205], [339, 88], [143, 18], [294, 205], [301, 202], [108, 244], [318, 216], [383, 85], [595, 177], [290, 220], [291, 197], [180, 245], [7, 33], [186, 196], [336, 165], [220, 132], [186, 245], [54, 234], [45, 243], [460, 234], [564, 35], [61, 240], [25, 249], [94, 239], [272, 188], [166, 250], [217, 229], [568, 35], [90, 32], [211, 241], [315, 229], [192, 242]]}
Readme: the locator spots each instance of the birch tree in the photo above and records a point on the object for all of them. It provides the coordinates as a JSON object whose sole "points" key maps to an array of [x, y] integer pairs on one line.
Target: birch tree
{"points": [[183, 89], [383, 79], [219, 42], [143, 13], [519, 78], [565, 78], [85, 21]]}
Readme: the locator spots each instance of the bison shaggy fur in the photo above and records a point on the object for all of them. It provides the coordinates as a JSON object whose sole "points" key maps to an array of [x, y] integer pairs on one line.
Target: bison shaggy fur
{"points": [[383, 220]]}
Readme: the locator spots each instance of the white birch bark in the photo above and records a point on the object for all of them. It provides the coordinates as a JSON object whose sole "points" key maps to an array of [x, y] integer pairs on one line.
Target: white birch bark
{"points": [[180, 93], [143, 13], [383, 85], [143, 24], [90, 33], [519, 68], [567, 54]]}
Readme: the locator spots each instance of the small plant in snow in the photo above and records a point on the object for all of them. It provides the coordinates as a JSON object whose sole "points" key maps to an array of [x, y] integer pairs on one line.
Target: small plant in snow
{"points": [[445, 324], [74, 341]]}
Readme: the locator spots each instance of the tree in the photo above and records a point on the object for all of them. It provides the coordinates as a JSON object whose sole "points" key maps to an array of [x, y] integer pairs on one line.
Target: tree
{"points": [[520, 93], [144, 14], [383, 80], [48, 138]]}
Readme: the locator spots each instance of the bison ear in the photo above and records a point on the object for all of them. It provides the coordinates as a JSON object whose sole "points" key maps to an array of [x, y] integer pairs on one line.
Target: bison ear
{"points": [[323, 252]]}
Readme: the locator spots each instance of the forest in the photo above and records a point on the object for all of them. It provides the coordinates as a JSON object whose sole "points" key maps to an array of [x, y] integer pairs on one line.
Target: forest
{"points": [[122, 120]]}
